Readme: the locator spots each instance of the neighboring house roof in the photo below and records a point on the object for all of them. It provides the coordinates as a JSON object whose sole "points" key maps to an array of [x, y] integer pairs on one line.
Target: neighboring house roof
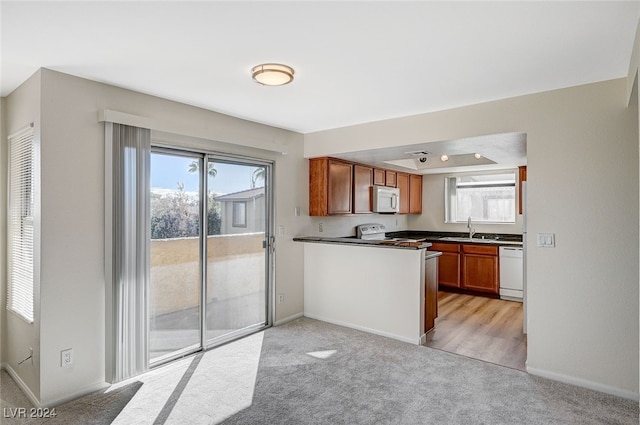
{"points": [[243, 195]]}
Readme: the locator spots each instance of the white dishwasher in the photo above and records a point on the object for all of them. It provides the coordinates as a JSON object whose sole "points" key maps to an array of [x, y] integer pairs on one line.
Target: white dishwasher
{"points": [[511, 273]]}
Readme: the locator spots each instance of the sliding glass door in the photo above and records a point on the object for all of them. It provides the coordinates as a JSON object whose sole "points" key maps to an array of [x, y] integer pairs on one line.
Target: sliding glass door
{"points": [[237, 260], [209, 256], [175, 259]]}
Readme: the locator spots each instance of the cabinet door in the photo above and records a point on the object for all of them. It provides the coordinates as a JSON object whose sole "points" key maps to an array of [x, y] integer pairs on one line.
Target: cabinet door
{"points": [[339, 188], [379, 177], [362, 180], [480, 269], [390, 178], [522, 177], [448, 264], [402, 183], [318, 174], [431, 293], [415, 194]]}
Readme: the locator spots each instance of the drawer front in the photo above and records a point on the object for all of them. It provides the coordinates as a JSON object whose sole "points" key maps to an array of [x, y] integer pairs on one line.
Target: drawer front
{"points": [[480, 249], [444, 247]]}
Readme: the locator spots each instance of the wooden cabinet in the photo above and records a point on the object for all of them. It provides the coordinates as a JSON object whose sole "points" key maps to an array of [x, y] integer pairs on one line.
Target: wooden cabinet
{"points": [[402, 183], [448, 264], [338, 187], [480, 268], [390, 178], [431, 293], [330, 186], [522, 177], [379, 177], [362, 181], [415, 194]]}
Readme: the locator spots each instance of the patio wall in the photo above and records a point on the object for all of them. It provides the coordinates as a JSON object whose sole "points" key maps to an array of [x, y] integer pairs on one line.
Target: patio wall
{"points": [[235, 268]]}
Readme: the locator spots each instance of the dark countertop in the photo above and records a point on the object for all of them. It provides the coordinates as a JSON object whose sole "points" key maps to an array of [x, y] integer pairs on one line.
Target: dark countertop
{"points": [[428, 236], [360, 242], [478, 238]]}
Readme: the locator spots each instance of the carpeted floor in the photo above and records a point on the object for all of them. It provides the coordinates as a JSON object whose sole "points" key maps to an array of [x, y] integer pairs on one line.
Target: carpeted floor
{"points": [[310, 372]]}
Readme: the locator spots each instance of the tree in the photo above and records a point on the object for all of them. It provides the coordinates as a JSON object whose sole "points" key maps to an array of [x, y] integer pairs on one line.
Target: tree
{"points": [[258, 174], [194, 166]]}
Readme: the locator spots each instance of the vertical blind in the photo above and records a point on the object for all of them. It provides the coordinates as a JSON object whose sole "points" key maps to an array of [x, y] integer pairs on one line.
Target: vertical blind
{"points": [[131, 233], [20, 232]]}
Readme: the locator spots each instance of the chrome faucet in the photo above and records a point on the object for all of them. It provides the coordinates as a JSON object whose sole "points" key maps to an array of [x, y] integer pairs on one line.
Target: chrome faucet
{"points": [[472, 231]]}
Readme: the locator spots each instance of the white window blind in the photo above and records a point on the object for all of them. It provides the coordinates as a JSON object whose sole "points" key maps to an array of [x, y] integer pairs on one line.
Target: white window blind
{"points": [[20, 224]]}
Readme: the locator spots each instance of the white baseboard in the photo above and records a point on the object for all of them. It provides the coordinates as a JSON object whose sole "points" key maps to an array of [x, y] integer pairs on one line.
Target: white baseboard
{"points": [[20, 383], [288, 319], [49, 403], [417, 341], [630, 395]]}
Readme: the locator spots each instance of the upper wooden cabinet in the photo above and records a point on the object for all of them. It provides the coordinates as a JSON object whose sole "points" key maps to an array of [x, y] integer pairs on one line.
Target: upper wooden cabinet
{"points": [[522, 177], [390, 178], [379, 177], [338, 187], [330, 186], [362, 181], [415, 194], [402, 183]]}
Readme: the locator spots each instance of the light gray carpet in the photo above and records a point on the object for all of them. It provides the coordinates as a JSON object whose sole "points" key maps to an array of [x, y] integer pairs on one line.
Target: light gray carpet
{"points": [[310, 372], [375, 380]]}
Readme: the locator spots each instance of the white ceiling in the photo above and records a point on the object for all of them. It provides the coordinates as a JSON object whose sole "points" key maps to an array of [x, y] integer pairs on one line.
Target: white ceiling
{"points": [[355, 62]]}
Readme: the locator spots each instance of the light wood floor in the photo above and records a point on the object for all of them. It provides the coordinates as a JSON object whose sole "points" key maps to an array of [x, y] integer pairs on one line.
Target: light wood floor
{"points": [[482, 328]]}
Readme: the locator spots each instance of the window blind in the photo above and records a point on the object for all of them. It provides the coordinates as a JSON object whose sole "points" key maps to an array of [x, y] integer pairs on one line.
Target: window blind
{"points": [[20, 234]]}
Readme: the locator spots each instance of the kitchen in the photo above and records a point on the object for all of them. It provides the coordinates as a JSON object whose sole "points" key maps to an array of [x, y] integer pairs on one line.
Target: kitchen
{"points": [[421, 176]]}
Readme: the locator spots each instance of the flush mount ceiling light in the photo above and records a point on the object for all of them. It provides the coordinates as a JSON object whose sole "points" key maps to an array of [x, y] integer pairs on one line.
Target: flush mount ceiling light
{"points": [[272, 74], [444, 158], [477, 155]]}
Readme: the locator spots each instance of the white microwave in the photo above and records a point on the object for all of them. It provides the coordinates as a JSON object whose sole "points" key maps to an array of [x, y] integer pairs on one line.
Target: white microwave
{"points": [[386, 199]]}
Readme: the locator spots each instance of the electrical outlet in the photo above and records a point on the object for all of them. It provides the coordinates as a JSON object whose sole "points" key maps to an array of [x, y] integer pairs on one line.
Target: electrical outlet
{"points": [[280, 298], [281, 230], [66, 358], [296, 211], [321, 227]]}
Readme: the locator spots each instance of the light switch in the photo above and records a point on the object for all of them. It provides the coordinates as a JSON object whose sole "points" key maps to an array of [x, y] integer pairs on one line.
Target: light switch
{"points": [[281, 230], [546, 240]]}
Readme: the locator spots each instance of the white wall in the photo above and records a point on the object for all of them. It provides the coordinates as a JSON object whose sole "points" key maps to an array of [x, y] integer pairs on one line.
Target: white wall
{"points": [[21, 108], [582, 158], [433, 211], [73, 288]]}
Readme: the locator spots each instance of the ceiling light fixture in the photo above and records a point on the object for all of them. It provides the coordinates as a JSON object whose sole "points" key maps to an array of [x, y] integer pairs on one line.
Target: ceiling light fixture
{"points": [[444, 158], [272, 74], [477, 155]]}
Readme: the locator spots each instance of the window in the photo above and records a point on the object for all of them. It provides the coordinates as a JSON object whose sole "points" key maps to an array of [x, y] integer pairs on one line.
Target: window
{"points": [[20, 233], [239, 214], [486, 198]]}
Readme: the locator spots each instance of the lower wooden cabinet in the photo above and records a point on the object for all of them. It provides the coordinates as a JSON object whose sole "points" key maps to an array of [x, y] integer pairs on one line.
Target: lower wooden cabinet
{"points": [[480, 268], [431, 293], [448, 264], [468, 267]]}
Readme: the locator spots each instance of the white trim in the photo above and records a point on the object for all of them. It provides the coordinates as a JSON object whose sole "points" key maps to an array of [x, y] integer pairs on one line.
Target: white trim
{"points": [[368, 330], [630, 395], [288, 319], [20, 383], [107, 115]]}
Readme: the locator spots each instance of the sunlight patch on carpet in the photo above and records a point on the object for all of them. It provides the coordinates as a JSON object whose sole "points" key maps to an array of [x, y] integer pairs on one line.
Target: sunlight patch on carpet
{"points": [[322, 354]]}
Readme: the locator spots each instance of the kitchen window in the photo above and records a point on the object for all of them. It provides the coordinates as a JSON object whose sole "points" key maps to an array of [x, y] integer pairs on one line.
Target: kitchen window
{"points": [[486, 198]]}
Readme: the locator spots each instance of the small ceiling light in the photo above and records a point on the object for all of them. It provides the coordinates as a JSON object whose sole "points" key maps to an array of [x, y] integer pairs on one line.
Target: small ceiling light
{"points": [[444, 158], [477, 155], [272, 74]]}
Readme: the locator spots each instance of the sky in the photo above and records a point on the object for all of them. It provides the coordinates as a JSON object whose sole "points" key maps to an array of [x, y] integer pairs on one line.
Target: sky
{"points": [[168, 170]]}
